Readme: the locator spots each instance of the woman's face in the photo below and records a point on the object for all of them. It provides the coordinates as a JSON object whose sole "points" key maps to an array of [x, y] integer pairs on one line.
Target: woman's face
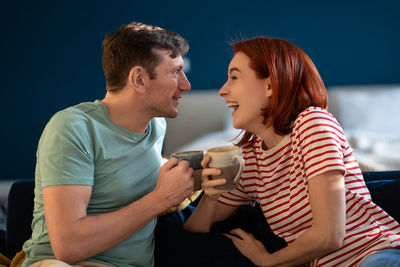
{"points": [[246, 94]]}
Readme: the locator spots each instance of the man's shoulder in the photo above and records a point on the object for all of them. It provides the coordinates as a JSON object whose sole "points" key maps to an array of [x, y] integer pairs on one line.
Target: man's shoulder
{"points": [[73, 117], [76, 112]]}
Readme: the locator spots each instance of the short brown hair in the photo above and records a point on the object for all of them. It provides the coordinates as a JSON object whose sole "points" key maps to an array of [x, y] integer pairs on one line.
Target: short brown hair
{"points": [[294, 79], [137, 44]]}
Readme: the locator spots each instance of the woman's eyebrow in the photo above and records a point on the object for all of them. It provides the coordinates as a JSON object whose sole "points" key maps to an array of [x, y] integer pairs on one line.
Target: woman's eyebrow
{"points": [[233, 69]]}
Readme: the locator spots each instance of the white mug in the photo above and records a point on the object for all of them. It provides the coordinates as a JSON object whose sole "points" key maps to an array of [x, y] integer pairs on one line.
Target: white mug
{"points": [[230, 161]]}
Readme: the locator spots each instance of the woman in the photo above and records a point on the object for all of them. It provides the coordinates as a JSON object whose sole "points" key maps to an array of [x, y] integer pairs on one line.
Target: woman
{"points": [[299, 167]]}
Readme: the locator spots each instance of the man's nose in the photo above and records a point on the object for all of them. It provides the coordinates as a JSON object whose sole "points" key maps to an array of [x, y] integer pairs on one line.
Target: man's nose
{"points": [[184, 83]]}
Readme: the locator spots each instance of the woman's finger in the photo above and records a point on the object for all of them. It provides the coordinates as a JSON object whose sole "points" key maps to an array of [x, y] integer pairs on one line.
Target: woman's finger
{"points": [[213, 183], [205, 161], [210, 171], [240, 233]]}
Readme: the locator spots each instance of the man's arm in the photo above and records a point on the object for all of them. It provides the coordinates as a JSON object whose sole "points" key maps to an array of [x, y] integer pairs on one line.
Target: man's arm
{"points": [[74, 236]]}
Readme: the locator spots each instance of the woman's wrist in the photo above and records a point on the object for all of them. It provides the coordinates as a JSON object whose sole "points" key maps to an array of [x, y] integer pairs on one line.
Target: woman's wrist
{"points": [[264, 260], [212, 198]]}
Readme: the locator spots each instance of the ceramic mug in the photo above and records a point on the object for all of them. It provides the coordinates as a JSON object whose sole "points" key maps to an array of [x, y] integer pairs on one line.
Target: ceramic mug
{"points": [[194, 158], [230, 161]]}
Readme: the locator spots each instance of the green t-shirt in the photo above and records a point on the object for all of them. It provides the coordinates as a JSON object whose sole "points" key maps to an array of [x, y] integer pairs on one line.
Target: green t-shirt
{"points": [[82, 146]]}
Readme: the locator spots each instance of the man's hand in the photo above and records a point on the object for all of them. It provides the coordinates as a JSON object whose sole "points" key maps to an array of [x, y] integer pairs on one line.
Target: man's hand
{"points": [[175, 181]]}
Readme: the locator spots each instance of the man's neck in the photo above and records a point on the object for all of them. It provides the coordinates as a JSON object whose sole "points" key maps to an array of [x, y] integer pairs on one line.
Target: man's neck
{"points": [[126, 111]]}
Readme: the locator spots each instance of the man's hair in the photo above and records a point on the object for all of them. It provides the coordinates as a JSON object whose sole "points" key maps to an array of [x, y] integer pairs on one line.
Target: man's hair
{"points": [[136, 44], [295, 81]]}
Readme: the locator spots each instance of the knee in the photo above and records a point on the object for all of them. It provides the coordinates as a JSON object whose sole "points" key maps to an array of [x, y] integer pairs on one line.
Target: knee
{"points": [[384, 258]]}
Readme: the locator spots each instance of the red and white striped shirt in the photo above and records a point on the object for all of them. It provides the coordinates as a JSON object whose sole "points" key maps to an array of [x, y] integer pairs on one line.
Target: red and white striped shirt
{"points": [[278, 180]]}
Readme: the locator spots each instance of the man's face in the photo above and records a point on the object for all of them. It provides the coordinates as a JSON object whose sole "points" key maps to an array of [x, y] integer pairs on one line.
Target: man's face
{"points": [[164, 92]]}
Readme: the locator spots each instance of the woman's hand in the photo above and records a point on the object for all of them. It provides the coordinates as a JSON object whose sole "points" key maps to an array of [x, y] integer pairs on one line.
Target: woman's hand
{"points": [[250, 247], [208, 184]]}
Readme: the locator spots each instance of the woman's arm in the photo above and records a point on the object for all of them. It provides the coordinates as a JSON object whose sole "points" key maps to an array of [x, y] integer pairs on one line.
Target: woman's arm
{"points": [[328, 204], [209, 210]]}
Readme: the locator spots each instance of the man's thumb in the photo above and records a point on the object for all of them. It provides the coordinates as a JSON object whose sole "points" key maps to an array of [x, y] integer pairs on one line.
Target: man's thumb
{"points": [[171, 163]]}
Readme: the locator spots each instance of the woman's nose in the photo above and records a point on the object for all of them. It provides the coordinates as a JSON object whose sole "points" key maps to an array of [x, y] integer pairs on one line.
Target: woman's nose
{"points": [[223, 91]]}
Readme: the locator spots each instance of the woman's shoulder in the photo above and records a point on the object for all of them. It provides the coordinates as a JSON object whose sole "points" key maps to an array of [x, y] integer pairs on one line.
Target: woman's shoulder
{"points": [[312, 111], [314, 114], [315, 119]]}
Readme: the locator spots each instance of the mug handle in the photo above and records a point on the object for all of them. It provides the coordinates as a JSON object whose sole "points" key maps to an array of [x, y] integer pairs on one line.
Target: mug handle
{"points": [[241, 167]]}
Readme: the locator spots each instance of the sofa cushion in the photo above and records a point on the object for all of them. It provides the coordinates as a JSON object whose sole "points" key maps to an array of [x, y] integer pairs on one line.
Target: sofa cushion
{"points": [[384, 194], [19, 215]]}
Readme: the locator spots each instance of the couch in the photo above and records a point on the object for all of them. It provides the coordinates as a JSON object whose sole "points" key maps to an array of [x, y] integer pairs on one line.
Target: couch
{"points": [[368, 114], [383, 186], [19, 217]]}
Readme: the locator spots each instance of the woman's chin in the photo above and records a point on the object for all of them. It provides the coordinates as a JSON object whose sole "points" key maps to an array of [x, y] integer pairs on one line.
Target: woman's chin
{"points": [[238, 126]]}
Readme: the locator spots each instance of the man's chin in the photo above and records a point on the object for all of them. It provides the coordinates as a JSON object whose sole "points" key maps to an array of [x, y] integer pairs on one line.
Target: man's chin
{"points": [[171, 115]]}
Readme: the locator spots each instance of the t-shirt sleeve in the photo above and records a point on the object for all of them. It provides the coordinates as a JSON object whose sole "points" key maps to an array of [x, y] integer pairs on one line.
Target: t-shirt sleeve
{"points": [[237, 197], [321, 141], [64, 154]]}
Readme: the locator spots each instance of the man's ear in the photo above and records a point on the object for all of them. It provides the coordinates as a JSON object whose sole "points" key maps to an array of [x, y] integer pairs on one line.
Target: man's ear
{"points": [[136, 77]]}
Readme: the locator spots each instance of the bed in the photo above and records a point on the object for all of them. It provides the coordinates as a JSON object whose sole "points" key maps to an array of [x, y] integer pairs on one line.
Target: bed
{"points": [[367, 113]]}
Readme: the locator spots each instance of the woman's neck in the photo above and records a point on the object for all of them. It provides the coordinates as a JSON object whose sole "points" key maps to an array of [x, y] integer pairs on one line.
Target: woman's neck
{"points": [[269, 138]]}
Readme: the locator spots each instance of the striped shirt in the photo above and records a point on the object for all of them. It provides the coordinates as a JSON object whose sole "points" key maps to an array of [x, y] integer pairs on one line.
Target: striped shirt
{"points": [[278, 180]]}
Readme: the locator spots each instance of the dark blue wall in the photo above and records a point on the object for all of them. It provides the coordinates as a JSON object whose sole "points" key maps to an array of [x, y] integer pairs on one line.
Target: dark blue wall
{"points": [[50, 50]]}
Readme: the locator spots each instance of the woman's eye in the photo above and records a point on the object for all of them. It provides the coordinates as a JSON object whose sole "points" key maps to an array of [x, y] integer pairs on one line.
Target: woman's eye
{"points": [[233, 77]]}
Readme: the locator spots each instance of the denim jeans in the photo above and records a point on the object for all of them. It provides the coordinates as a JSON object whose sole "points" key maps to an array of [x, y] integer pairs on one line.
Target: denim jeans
{"points": [[383, 258]]}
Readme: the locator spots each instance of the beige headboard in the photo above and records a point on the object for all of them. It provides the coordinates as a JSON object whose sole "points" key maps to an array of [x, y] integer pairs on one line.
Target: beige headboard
{"points": [[204, 111], [200, 112]]}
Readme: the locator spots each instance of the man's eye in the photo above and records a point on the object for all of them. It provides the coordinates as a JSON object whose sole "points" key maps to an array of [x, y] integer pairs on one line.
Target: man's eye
{"points": [[233, 77]]}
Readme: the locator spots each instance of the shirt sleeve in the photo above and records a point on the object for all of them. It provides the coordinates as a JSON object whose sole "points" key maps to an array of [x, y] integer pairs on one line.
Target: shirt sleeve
{"points": [[64, 153], [237, 197], [321, 142]]}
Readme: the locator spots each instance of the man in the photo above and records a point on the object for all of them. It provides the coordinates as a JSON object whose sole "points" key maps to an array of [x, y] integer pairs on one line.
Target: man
{"points": [[99, 180]]}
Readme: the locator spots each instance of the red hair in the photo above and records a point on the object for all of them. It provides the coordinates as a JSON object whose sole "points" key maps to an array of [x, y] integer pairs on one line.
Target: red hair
{"points": [[295, 81]]}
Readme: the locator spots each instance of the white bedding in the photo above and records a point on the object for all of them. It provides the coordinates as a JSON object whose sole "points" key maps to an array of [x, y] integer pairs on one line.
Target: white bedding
{"points": [[368, 115], [375, 152]]}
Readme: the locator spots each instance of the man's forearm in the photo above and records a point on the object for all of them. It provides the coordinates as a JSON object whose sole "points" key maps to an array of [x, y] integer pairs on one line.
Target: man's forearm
{"points": [[91, 235]]}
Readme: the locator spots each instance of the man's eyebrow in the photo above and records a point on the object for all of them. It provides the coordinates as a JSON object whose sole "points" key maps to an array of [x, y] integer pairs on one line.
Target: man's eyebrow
{"points": [[233, 69]]}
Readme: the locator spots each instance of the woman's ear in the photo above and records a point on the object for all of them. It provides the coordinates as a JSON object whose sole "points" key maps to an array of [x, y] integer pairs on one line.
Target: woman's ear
{"points": [[268, 88]]}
